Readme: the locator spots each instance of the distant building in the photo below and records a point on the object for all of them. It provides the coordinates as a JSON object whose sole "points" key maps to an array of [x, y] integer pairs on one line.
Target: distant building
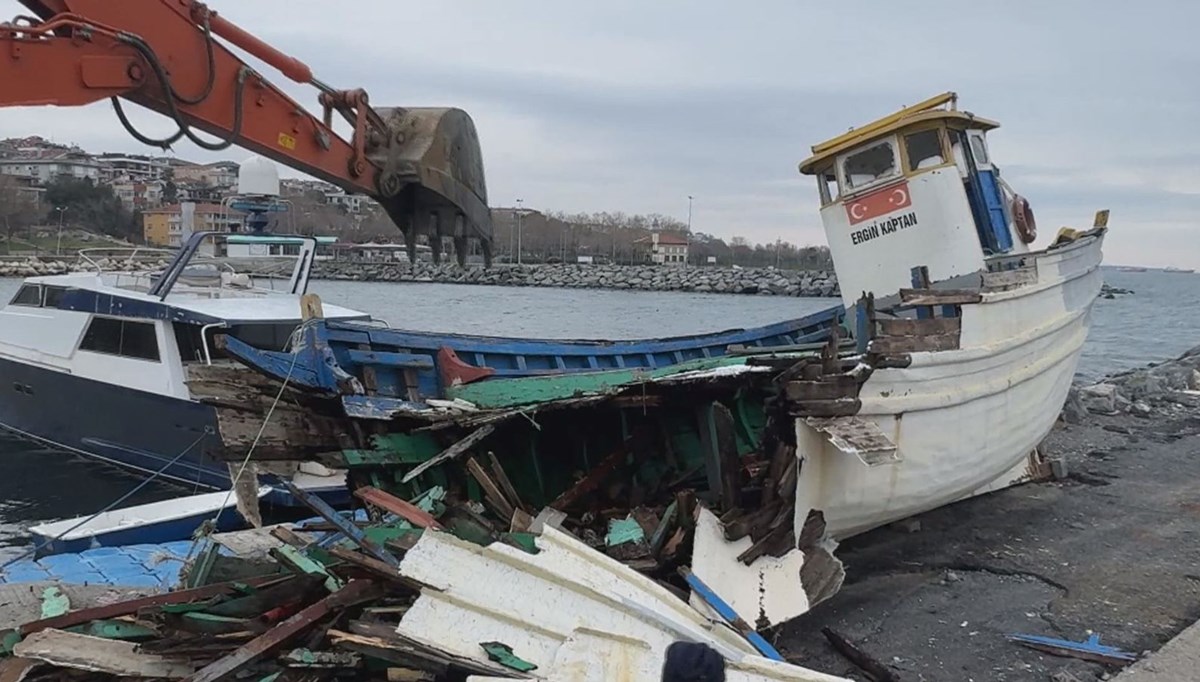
{"points": [[40, 167], [168, 226], [353, 203], [218, 174], [139, 196], [664, 248], [200, 193], [132, 168]]}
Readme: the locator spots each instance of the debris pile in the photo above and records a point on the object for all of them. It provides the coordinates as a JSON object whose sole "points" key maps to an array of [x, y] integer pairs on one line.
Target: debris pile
{"points": [[427, 589]]}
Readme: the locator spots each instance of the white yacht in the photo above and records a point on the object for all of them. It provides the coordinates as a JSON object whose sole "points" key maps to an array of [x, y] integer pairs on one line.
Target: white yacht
{"points": [[95, 362]]}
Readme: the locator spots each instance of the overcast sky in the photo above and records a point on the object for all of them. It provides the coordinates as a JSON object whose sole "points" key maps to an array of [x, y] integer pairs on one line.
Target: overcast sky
{"points": [[632, 106]]}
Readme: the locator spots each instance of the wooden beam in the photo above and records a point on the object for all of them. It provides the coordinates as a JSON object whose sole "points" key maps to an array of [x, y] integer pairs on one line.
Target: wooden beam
{"points": [[928, 297], [356, 592], [451, 452], [909, 327], [913, 344], [491, 490], [402, 508]]}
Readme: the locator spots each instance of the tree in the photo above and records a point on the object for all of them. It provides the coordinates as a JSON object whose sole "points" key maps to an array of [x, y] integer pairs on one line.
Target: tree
{"points": [[17, 209], [91, 206], [170, 189]]}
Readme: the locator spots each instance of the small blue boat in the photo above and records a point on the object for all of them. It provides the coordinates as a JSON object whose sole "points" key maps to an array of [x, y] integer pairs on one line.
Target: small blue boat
{"points": [[156, 522]]}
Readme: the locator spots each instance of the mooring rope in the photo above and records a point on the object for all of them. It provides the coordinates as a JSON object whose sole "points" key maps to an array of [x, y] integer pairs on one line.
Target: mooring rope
{"points": [[110, 507]]}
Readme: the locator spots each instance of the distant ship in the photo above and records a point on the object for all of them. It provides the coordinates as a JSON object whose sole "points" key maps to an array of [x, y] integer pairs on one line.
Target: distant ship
{"points": [[1131, 269], [1177, 270]]}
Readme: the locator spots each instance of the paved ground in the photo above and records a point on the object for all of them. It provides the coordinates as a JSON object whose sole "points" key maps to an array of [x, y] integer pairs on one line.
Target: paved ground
{"points": [[1178, 660], [1112, 549]]}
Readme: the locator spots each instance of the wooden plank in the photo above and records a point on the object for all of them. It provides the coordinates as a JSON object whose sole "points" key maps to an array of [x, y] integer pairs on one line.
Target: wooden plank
{"points": [[345, 525], [126, 608], [96, 654], [451, 452], [402, 508], [376, 567], [501, 478], [402, 360], [878, 671], [843, 387], [491, 490], [915, 344], [1005, 279], [356, 592], [16, 669], [928, 297], [591, 481], [842, 407], [909, 327]]}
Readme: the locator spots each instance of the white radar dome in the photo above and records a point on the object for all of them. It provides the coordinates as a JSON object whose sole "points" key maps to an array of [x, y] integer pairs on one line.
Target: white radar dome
{"points": [[258, 176]]}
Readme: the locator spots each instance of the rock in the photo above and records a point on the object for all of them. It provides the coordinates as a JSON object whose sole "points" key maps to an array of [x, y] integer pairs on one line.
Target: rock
{"points": [[1141, 409], [1064, 676], [1194, 381], [951, 577], [1074, 411], [1099, 398], [908, 525]]}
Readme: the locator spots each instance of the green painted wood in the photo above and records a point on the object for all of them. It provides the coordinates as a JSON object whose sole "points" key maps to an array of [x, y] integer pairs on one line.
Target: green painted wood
{"points": [[508, 393], [114, 629], [54, 602], [394, 448], [292, 558]]}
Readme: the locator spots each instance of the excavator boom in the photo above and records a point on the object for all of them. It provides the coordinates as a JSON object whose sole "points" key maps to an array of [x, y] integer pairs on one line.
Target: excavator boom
{"points": [[423, 165]]}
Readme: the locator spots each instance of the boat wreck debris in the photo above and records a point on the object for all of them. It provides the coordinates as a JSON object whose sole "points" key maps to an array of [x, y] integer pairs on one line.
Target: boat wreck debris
{"points": [[441, 604]]}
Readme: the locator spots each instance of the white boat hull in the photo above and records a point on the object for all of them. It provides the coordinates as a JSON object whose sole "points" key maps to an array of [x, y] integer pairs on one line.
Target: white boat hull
{"points": [[950, 425], [963, 421]]}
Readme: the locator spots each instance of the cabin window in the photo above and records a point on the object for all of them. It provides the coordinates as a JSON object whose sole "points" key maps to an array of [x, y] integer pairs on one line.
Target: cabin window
{"points": [[827, 185], [870, 165], [979, 150], [924, 150], [30, 295], [126, 338], [53, 296]]}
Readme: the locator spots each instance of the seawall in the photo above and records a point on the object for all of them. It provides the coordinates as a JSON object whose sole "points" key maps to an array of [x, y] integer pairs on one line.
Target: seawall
{"points": [[761, 281]]}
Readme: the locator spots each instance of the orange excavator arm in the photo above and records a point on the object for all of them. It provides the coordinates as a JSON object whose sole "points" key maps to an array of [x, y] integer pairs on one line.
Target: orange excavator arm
{"points": [[423, 165]]}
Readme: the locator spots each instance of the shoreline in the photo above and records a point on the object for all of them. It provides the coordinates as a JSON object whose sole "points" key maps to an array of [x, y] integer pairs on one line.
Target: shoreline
{"points": [[1107, 546]]}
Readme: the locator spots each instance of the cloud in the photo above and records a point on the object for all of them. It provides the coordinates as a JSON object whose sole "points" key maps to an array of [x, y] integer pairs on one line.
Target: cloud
{"points": [[633, 106]]}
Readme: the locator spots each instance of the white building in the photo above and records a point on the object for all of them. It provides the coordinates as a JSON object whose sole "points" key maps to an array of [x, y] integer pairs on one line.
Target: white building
{"points": [[131, 168], [665, 248], [40, 168], [353, 203]]}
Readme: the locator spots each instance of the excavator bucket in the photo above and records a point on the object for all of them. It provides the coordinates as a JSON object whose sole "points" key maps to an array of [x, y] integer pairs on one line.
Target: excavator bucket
{"points": [[431, 181]]}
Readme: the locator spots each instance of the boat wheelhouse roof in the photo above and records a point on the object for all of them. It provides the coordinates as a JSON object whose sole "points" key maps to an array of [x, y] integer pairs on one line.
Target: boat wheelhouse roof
{"points": [[928, 111], [247, 308]]}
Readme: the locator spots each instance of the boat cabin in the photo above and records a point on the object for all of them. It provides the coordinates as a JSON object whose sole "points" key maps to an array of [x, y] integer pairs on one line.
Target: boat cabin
{"points": [[140, 326], [916, 188]]}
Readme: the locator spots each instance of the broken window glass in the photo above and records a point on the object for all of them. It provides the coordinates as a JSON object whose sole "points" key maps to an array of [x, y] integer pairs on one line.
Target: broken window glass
{"points": [[924, 150], [869, 166]]}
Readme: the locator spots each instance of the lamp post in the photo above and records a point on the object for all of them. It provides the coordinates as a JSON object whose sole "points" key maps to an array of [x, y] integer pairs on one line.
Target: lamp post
{"points": [[687, 249], [58, 246], [520, 210]]}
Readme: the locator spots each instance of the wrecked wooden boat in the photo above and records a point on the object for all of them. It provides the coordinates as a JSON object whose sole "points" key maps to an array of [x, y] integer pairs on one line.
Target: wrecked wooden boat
{"points": [[749, 467], [101, 362]]}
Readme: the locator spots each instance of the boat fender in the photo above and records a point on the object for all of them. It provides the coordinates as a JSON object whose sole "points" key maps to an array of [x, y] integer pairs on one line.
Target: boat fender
{"points": [[1023, 219]]}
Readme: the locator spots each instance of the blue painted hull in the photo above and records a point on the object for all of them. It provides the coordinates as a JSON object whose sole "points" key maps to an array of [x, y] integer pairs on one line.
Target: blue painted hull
{"points": [[417, 366], [147, 533]]}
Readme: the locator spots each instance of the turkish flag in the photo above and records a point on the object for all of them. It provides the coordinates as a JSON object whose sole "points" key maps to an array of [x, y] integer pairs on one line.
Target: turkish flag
{"points": [[878, 203]]}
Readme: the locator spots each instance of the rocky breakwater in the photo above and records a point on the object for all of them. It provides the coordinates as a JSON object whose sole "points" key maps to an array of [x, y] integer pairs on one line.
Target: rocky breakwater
{"points": [[760, 281], [33, 267], [1171, 385]]}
